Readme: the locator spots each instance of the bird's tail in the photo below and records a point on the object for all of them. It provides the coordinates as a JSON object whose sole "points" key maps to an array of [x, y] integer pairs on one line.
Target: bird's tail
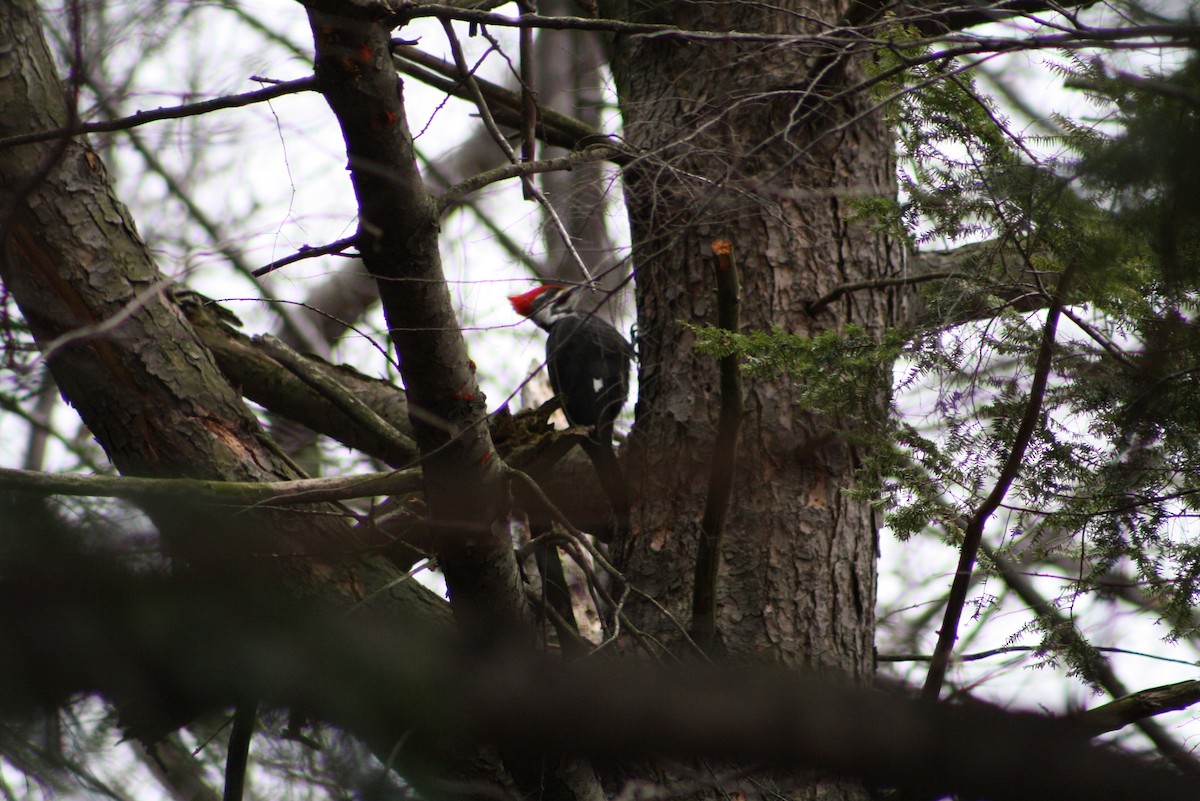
{"points": [[612, 481]]}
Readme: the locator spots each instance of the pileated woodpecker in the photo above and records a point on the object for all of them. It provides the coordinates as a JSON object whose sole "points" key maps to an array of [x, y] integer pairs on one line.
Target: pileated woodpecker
{"points": [[588, 362]]}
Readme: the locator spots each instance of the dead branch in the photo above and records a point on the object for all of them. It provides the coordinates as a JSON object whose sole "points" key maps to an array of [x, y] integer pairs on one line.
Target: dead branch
{"points": [[167, 113]]}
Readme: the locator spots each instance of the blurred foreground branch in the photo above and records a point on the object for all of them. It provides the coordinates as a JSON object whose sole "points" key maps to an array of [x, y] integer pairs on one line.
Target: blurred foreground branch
{"points": [[68, 627]]}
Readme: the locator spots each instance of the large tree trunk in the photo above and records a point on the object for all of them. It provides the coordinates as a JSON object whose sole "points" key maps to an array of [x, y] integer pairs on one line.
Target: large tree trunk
{"points": [[131, 364], [737, 142]]}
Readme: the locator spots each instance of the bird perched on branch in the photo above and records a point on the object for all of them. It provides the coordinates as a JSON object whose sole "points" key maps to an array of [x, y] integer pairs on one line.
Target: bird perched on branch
{"points": [[588, 362]]}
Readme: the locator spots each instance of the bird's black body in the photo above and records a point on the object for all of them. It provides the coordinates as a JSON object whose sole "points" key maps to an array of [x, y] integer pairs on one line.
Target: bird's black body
{"points": [[588, 361]]}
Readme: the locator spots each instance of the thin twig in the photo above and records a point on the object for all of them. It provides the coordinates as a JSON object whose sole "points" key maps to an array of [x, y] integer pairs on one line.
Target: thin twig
{"points": [[306, 252], [880, 283], [521, 169], [498, 135], [167, 113]]}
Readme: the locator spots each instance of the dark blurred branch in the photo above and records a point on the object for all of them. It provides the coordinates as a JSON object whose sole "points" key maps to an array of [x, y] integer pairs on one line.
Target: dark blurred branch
{"points": [[81, 628]]}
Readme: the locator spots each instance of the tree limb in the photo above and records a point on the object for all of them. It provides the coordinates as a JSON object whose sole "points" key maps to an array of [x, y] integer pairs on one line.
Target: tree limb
{"points": [[724, 456], [305, 252], [1139, 706], [597, 152], [556, 128], [248, 364], [167, 113], [225, 494], [973, 534], [111, 634], [398, 239]]}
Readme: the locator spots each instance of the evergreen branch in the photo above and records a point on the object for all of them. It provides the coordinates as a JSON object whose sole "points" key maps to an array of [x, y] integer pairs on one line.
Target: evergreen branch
{"points": [[1163, 88], [1024, 649], [1101, 671], [973, 535], [167, 113]]}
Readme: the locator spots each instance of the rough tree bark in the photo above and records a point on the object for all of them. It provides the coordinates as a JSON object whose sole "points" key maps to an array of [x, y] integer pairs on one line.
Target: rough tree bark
{"points": [[737, 143], [128, 360]]}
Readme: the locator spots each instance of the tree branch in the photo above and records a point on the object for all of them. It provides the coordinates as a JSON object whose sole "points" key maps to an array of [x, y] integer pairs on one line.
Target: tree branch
{"points": [[724, 457], [1102, 672], [335, 392], [973, 534], [214, 493], [1139, 706], [110, 632], [555, 128], [248, 365], [398, 239], [305, 252], [592, 153], [168, 113]]}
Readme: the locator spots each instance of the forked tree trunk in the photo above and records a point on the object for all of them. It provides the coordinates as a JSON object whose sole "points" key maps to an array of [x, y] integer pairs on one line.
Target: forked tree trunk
{"points": [[737, 141]]}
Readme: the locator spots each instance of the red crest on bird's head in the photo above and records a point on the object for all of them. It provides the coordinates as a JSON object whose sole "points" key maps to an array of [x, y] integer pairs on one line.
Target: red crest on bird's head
{"points": [[523, 304]]}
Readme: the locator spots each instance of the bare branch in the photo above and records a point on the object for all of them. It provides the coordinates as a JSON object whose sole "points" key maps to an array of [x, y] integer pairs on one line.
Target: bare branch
{"points": [[306, 252], [220, 493], [246, 364], [880, 283], [485, 114], [168, 113], [593, 153], [333, 391], [1140, 705], [555, 128]]}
